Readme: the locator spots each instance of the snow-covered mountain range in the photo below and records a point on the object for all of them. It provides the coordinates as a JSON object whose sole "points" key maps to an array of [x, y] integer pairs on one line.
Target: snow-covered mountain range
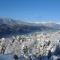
{"points": [[10, 26]]}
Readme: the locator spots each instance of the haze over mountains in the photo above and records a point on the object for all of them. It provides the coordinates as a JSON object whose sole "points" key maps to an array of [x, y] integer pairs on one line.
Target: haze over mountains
{"points": [[9, 27]]}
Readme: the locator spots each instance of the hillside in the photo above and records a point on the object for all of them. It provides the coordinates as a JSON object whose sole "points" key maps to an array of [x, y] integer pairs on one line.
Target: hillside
{"points": [[12, 27]]}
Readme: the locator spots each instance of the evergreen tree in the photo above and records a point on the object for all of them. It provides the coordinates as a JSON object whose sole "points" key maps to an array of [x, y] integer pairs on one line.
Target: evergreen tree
{"points": [[15, 57], [49, 54]]}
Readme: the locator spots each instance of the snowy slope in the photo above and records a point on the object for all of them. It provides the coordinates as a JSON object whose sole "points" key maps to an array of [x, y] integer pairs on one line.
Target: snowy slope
{"points": [[6, 57]]}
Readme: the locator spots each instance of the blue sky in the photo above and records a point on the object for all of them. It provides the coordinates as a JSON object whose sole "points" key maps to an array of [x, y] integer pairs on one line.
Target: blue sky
{"points": [[31, 10]]}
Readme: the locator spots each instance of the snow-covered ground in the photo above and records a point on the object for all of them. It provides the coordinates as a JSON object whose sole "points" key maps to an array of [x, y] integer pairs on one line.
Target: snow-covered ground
{"points": [[6, 57]]}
